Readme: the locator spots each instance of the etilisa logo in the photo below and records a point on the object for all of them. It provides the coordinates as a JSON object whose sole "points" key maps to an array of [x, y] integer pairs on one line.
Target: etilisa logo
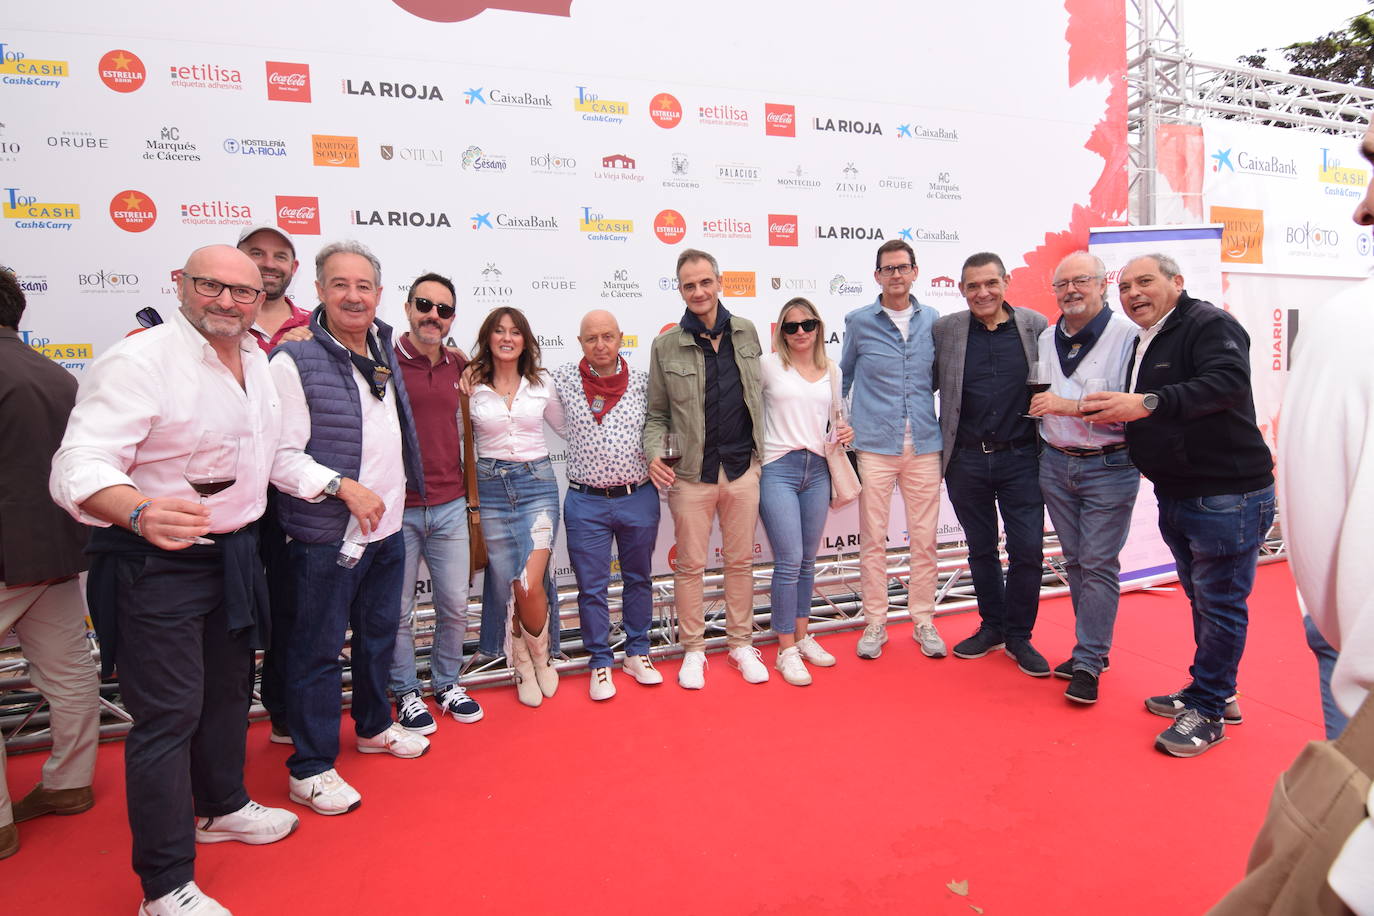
{"points": [[726, 227], [475, 160], [216, 213], [779, 120], [122, 71], [507, 98], [618, 167], [107, 281], [298, 215], [782, 230], [383, 89], [1246, 163], [17, 68], [205, 76], [839, 286], [722, 116], [257, 147], [665, 111], [133, 211], [1345, 182], [401, 219], [601, 228], [680, 171], [29, 211], [594, 108], [846, 126], [288, 82]]}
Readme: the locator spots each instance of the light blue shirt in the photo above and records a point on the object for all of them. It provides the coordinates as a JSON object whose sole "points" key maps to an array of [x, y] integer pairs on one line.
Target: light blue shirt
{"points": [[890, 379]]}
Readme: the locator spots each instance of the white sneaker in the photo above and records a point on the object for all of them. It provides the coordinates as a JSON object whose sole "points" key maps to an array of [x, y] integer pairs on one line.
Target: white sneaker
{"points": [[641, 668], [749, 663], [792, 667], [813, 652], [692, 674], [252, 824], [602, 687], [187, 900], [325, 793], [932, 646], [396, 741]]}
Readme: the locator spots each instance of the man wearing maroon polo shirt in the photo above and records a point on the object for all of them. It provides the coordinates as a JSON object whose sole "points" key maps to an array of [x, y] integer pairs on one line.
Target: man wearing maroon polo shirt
{"points": [[434, 525]]}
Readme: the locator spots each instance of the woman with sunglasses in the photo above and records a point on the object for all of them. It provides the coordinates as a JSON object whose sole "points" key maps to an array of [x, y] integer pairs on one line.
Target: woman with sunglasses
{"points": [[512, 398], [794, 490]]}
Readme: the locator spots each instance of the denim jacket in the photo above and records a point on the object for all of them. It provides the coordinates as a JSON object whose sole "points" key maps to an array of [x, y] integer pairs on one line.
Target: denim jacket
{"points": [[677, 392], [890, 380]]}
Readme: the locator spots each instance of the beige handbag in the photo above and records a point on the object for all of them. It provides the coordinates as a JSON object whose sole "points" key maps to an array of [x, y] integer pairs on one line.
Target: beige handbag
{"points": [[844, 480]]}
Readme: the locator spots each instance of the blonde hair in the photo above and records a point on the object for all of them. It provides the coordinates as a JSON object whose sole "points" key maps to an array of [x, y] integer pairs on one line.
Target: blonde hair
{"points": [[780, 344]]}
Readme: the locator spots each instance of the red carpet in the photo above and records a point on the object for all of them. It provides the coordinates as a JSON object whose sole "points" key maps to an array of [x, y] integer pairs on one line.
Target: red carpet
{"points": [[867, 792]]}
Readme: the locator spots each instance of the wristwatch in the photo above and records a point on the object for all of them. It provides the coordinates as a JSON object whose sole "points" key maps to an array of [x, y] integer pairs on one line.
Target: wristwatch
{"points": [[332, 488], [1150, 402]]}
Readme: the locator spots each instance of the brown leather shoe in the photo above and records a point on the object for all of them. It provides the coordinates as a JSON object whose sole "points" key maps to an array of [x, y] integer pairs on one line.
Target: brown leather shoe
{"points": [[53, 801], [9, 841]]}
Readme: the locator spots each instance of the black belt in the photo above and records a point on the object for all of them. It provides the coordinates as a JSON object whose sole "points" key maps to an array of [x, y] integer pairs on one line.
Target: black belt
{"points": [[988, 448], [1089, 452], [625, 489]]}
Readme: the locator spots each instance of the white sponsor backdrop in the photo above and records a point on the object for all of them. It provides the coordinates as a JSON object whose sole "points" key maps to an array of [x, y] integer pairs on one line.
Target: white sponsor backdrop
{"points": [[557, 163]]}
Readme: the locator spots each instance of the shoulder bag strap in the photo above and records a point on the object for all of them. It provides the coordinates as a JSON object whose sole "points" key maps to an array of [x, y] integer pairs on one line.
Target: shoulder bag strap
{"points": [[469, 454]]}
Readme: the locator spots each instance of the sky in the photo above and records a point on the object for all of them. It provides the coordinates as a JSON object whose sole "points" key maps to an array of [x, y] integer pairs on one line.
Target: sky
{"points": [[1218, 31]]}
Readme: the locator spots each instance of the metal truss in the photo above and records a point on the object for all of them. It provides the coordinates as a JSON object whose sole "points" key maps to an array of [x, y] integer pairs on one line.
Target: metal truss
{"points": [[1165, 85]]}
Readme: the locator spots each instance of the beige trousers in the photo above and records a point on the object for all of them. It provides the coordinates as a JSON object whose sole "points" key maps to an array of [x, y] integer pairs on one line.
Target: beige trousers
{"points": [[918, 478]]}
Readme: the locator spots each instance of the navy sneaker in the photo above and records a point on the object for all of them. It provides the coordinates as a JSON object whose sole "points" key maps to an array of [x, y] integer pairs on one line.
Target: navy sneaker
{"points": [[1191, 734], [1027, 659], [456, 702], [412, 715], [1172, 706], [983, 641], [1083, 687], [1065, 668]]}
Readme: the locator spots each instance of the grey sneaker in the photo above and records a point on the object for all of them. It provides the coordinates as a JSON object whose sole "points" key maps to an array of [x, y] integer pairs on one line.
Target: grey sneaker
{"points": [[1191, 734], [1171, 706], [871, 643], [932, 645]]}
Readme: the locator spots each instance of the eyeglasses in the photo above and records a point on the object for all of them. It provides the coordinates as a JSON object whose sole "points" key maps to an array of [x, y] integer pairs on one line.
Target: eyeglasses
{"points": [[1081, 282], [809, 325], [210, 289], [424, 305], [891, 269]]}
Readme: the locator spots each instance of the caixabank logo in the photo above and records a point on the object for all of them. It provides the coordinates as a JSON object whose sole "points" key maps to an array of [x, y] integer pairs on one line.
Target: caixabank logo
{"points": [[19, 68], [133, 211], [384, 89], [507, 98], [288, 82], [593, 107], [602, 228], [30, 211], [1247, 162], [122, 71]]}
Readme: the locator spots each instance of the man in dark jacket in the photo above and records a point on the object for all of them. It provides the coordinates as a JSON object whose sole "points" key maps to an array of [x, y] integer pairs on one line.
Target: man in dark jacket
{"points": [[1191, 430], [40, 556]]}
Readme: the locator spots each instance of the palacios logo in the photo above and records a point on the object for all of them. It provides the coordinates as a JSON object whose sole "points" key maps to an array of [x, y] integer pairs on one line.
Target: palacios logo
{"points": [[122, 71], [337, 152], [1242, 234], [133, 211]]}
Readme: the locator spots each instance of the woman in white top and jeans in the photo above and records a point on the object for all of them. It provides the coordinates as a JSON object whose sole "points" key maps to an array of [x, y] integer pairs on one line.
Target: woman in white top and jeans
{"points": [[512, 398], [794, 489]]}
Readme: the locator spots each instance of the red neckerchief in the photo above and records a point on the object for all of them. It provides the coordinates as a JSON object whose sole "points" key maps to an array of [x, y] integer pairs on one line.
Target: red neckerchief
{"points": [[603, 392]]}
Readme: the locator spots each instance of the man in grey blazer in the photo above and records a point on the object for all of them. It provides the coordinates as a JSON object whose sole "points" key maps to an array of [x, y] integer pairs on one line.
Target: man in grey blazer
{"points": [[990, 456]]}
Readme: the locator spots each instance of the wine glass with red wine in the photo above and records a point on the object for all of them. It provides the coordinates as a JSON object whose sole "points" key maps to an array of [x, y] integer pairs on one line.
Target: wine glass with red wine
{"points": [[212, 467], [672, 449], [1037, 380], [1090, 386]]}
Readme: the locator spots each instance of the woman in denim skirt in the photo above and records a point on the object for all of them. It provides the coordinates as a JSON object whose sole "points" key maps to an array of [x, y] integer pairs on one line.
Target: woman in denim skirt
{"points": [[512, 398], [794, 489]]}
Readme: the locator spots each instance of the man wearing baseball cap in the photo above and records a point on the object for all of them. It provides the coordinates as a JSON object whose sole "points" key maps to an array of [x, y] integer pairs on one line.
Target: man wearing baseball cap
{"points": [[274, 252]]}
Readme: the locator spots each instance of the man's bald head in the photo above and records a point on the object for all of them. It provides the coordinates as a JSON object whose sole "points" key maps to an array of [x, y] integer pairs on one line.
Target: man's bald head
{"points": [[600, 338], [224, 269]]}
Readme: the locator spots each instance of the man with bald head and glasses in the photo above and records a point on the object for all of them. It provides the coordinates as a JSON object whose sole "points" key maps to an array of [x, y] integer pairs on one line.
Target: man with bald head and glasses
{"points": [[177, 613]]}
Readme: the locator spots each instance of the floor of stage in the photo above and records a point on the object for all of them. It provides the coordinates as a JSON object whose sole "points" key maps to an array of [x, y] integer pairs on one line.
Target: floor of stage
{"points": [[901, 785]]}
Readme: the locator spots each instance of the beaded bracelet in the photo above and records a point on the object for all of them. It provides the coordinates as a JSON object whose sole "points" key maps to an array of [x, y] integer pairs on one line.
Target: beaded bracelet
{"points": [[133, 517]]}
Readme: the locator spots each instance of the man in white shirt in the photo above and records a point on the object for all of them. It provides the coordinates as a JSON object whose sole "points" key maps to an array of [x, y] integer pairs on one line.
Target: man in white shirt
{"points": [[1086, 474], [348, 427], [180, 616]]}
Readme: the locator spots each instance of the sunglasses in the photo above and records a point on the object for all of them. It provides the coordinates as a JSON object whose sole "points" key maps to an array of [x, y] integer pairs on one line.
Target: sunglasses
{"points": [[792, 327], [424, 305]]}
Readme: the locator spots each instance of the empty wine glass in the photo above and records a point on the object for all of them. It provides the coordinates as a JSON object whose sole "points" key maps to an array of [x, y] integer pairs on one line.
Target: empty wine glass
{"points": [[212, 467]]}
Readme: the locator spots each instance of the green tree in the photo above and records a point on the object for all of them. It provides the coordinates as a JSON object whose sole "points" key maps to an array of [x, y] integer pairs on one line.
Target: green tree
{"points": [[1345, 55]]}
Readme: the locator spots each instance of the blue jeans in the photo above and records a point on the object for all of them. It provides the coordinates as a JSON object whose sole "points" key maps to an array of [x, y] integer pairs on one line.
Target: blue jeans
{"points": [[1215, 541], [440, 533], [331, 599], [794, 500], [513, 494], [979, 484], [591, 522], [1334, 719], [1090, 502]]}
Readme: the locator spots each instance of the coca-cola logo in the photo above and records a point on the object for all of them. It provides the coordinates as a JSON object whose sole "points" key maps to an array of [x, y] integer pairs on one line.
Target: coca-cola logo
{"points": [[782, 230], [779, 120], [288, 82], [299, 215]]}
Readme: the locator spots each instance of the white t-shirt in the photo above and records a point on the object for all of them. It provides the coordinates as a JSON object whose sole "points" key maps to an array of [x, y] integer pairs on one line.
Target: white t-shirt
{"points": [[901, 318], [795, 411]]}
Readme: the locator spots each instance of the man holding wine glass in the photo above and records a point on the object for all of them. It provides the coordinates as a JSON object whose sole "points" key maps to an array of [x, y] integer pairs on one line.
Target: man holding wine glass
{"points": [[1086, 474], [1190, 428], [983, 362], [179, 613]]}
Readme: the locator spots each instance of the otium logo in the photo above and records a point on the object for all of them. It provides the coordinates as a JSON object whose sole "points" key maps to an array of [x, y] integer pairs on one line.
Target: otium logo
{"points": [[665, 110], [782, 230], [338, 152], [18, 69], [133, 211], [122, 71], [601, 228], [29, 212], [779, 120], [595, 108], [288, 82], [386, 90], [205, 76], [670, 227], [299, 215]]}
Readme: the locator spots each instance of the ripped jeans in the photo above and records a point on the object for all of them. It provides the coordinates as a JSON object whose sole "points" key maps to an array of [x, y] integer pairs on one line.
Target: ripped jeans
{"points": [[519, 505]]}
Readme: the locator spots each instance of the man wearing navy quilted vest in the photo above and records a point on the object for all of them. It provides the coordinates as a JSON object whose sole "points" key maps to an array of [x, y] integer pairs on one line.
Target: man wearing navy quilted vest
{"points": [[347, 421]]}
